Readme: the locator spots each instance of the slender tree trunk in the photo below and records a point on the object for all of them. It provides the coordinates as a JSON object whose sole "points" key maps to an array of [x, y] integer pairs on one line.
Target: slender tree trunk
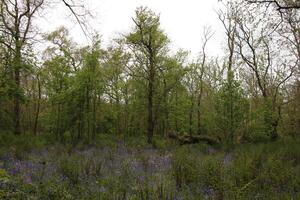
{"points": [[17, 63], [150, 102], [176, 120], [58, 131], [38, 107], [118, 128], [191, 115], [81, 121], [230, 77], [230, 81], [165, 121], [201, 92], [199, 108], [199, 114], [275, 121], [94, 117], [87, 112], [150, 114], [126, 110]]}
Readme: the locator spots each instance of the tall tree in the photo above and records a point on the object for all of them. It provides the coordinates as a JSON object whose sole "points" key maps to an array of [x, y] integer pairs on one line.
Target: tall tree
{"points": [[257, 49], [148, 42], [207, 35], [15, 27], [228, 19]]}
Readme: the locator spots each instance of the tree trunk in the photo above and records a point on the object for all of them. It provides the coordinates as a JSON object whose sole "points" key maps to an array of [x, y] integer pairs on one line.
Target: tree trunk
{"points": [[176, 120], [38, 107], [199, 114], [165, 121], [191, 115], [87, 111], [17, 63], [94, 117], [150, 102]]}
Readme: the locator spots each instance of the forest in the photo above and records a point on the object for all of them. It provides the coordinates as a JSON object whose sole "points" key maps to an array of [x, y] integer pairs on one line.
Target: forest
{"points": [[138, 120]]}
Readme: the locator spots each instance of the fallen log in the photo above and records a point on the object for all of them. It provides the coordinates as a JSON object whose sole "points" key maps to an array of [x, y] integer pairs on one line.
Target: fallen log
{"points": [[193, 139]]}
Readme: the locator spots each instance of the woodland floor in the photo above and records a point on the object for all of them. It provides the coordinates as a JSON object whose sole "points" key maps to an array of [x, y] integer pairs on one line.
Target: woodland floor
{"points": [[134, 170]]}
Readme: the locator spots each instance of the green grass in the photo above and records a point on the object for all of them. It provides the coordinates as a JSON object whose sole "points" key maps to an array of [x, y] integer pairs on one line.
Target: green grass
{"points": [[247, 171]]}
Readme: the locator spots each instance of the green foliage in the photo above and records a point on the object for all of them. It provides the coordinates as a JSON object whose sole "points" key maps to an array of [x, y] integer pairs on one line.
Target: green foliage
{"points": [[232, 108], [161, 143], [4, 177], [150, 24], [136, 141], [54, 190], [105, 140], [263, 170], [71, 168], [21, 145], [185, 167]]}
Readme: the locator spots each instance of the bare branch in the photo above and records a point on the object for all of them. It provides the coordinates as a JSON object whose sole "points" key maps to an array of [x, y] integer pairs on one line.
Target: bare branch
{"points": [[279, 6], [77, 18]]}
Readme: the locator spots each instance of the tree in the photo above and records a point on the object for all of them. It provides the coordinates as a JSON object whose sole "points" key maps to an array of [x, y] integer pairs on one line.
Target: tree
{"points": [[207, 35], [15, 27], [148, 43], [58, 68], [169, 81], [232, 110], [256, 48], [191, 83], [228, 19], [116, 61], [86, 88]]}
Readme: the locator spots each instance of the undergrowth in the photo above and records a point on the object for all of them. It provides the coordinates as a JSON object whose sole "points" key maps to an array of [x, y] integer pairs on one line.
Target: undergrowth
{"points": [[246, 171]]}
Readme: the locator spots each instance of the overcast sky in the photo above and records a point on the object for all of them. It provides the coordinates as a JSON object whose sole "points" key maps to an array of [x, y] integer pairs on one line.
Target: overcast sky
{"points": [[182, 21]]}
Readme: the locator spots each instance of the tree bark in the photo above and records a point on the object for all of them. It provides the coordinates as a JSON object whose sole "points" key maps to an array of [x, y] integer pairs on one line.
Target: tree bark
{"points": [[191, 115], [17, 63], [38, 107], [150, 101]]}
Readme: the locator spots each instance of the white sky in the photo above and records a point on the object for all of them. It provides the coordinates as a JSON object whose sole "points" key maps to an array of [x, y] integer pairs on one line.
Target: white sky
{"points": [[182, 21]]}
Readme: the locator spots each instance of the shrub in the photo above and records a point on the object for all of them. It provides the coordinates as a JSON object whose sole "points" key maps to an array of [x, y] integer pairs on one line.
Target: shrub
{"points": [[70, 168], [185, 167]]}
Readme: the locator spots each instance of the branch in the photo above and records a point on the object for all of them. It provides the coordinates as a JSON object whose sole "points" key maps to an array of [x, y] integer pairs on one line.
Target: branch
{"points": [[77, 18], [279, 6]]}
